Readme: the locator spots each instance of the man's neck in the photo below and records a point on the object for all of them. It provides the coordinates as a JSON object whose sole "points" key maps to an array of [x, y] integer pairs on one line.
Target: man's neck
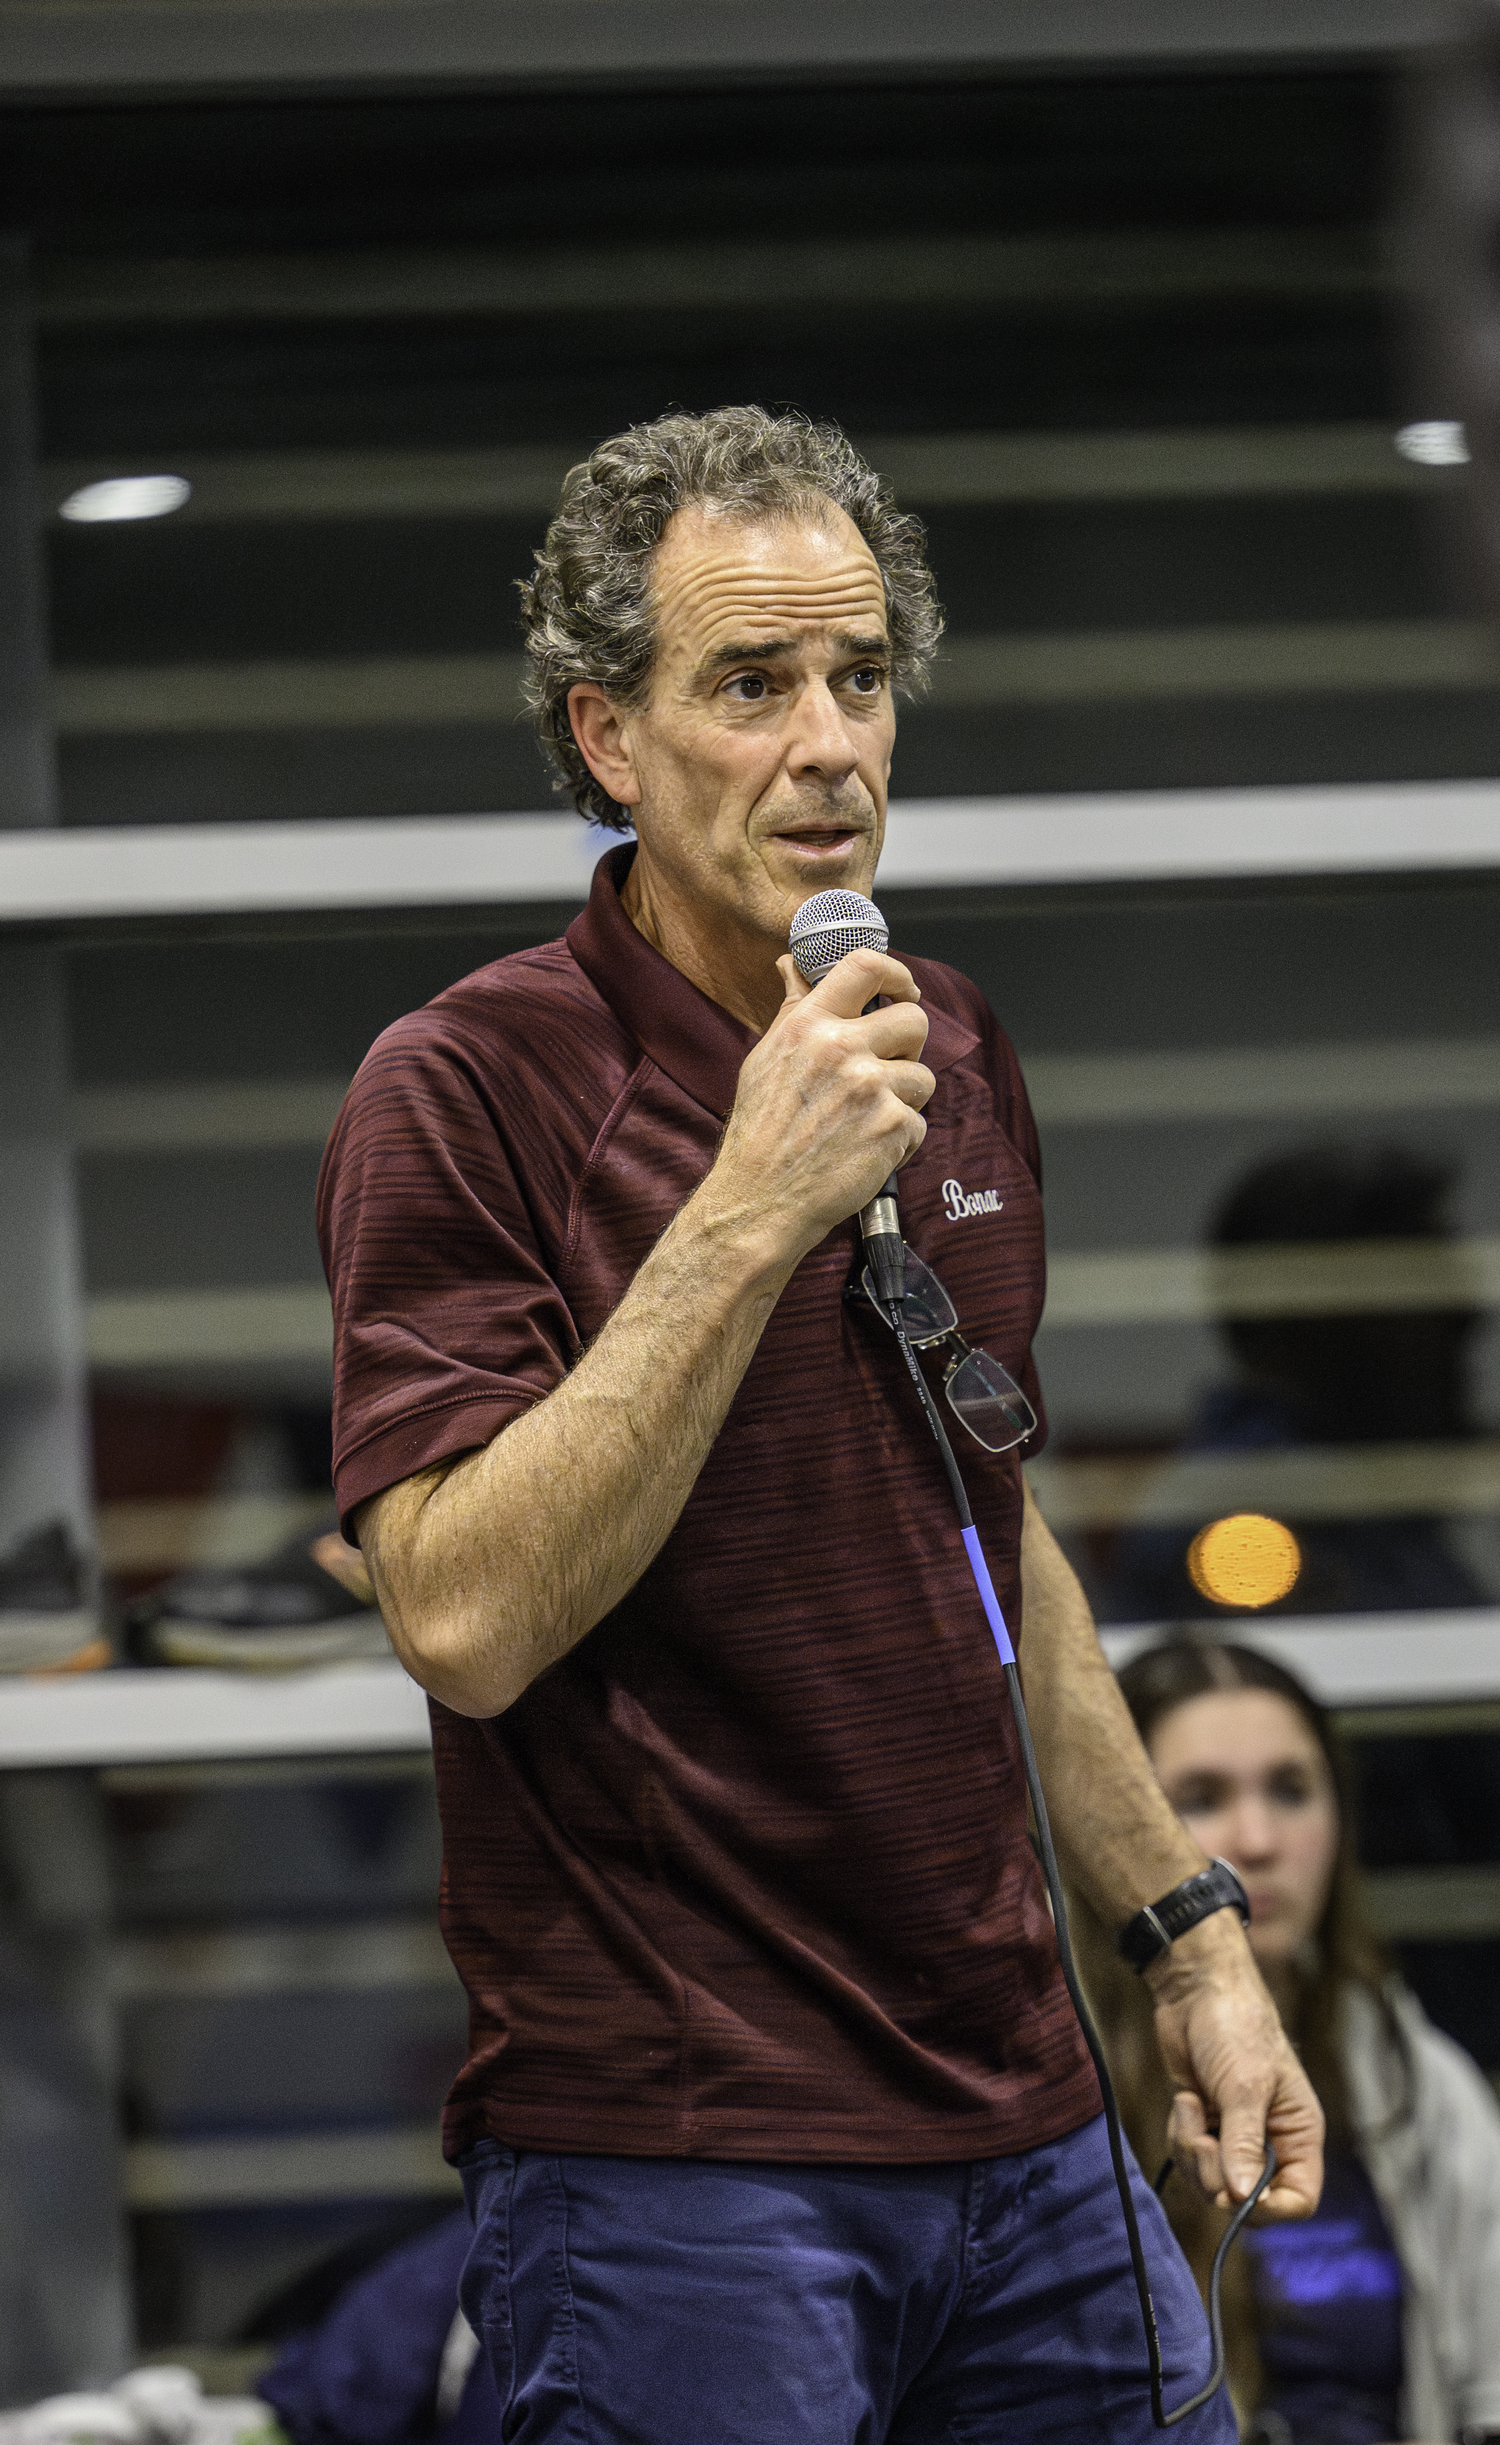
{"points": [[736, 969]]}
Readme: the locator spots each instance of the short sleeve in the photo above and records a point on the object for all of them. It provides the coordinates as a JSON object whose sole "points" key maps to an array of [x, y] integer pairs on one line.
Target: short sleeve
{"points": [[1012, 1103], [447, 1323]]}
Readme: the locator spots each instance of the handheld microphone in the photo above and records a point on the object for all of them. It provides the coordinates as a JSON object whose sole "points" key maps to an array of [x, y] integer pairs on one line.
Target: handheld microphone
{"points": [[824, 928]]}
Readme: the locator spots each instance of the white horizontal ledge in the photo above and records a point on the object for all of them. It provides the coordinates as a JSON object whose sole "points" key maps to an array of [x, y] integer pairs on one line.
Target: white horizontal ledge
{"points": [[1365, 1660], [1181, 835], [186, 1717], [196, 870], [389, 2164], [183, 1716]]}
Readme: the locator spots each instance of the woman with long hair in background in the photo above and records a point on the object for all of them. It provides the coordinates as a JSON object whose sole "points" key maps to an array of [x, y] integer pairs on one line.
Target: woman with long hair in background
{"points": [[1379, 2318]]}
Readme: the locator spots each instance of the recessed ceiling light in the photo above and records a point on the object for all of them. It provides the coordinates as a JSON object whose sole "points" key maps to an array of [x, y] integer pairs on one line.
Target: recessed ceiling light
{"points": [[1436, 443], [126, 496]]}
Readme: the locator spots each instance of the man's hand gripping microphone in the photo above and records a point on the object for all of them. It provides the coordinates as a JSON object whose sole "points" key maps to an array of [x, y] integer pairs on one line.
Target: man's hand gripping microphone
{"points": [[824, 928]]}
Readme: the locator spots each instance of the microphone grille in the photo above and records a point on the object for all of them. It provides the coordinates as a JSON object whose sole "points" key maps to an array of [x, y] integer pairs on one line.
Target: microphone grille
{"points": [[831, 923]]}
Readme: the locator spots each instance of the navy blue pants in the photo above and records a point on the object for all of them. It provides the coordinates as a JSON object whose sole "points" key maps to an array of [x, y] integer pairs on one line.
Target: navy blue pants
{"points": [[663, 2301]]}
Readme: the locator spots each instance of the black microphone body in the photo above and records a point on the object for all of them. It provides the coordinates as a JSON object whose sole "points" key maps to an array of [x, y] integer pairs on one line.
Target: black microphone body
{"points": [[824, 928]]}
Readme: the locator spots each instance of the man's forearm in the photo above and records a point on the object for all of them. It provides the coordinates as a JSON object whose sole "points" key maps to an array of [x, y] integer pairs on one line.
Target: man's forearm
{"points": [[488, 1570], [1118, 1835], [1237, 2080]]}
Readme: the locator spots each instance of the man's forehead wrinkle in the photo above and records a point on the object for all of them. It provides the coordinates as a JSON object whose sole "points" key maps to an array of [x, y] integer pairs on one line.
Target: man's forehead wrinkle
{"points": [[752, 582], [738, 553], [710, 600]]}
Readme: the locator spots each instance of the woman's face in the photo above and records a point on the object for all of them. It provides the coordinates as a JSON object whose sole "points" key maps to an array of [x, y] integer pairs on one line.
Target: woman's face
{"points": [[1250, 1781]]}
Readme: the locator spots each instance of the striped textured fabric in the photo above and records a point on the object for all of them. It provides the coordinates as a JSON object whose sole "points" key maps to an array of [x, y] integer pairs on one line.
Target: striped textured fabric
{"points": [[746, 1874]]}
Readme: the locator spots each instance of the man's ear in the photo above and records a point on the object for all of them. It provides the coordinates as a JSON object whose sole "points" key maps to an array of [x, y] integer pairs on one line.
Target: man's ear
{"points": [[604, 742]]}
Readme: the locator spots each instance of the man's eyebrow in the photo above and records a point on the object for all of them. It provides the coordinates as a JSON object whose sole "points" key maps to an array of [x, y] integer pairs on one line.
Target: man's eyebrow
{"points": [[779, 649]]}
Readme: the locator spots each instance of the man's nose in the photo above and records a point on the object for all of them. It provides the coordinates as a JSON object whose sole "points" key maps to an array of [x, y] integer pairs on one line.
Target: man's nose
{"points": [[821, 739]]}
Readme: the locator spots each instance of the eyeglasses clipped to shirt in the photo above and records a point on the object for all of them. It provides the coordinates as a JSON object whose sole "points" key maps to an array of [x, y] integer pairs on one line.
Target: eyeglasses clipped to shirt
{"points": [[984, 1396]]}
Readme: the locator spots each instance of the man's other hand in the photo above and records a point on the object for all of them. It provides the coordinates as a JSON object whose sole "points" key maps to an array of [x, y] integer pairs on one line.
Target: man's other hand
{"points": [[1237, 2078]]}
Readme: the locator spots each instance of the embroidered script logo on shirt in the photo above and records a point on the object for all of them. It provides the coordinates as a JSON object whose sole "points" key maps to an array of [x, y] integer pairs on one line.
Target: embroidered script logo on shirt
{"points": [[960, 1206]]}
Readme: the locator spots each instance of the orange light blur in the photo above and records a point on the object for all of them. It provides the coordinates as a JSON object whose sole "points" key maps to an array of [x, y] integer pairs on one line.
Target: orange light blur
{"points": [[1246, 1561]]}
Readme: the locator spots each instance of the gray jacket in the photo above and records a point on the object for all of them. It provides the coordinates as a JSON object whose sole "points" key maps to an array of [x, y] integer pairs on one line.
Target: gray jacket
{"points": [[1436, 2173]]}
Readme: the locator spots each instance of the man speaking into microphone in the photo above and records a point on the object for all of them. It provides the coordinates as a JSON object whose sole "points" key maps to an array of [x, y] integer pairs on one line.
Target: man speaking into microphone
{"points": [[776, 2125]]}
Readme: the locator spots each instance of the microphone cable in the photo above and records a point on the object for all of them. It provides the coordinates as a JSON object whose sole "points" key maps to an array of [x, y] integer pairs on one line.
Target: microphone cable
{"points": [[996, 1619]]}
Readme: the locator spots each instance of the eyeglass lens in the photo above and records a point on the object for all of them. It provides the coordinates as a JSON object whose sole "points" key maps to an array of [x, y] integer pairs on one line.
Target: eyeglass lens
{"points": [[927, 1312], [989, 1402]]}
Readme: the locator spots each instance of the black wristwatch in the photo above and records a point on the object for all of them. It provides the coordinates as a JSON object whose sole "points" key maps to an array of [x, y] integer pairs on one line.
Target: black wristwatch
{"points": [[1159, 1925]]}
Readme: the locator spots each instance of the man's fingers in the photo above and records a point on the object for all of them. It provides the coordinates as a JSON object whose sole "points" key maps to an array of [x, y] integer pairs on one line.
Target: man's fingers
{"points": [[345, 1563], [897, 1033], [1227, 2164], [859, 977], [910, 1081], [1195, 2150]]}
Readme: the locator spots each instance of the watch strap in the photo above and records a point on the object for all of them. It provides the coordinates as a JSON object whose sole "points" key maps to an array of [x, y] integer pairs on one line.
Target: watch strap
{"points": [[1153, 1930]]}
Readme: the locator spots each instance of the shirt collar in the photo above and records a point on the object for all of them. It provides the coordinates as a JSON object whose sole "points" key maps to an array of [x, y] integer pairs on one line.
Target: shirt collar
{"points": [[687, 1034]]}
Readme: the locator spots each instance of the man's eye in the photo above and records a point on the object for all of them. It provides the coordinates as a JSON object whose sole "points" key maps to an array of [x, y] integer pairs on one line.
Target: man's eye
{"points": [[868, 680], [750, 685]]}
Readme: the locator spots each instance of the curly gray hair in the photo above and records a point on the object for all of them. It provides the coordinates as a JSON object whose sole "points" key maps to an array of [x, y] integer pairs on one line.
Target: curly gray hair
{"points": [[588, 605]]}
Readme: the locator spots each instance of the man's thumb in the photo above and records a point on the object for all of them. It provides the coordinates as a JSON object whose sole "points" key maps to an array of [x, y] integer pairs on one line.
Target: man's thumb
{"points": [[1242, 2149]]}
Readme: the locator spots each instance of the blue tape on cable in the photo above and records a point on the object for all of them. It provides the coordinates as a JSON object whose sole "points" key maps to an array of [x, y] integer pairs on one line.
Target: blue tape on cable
{"points": [[987, 1596]]}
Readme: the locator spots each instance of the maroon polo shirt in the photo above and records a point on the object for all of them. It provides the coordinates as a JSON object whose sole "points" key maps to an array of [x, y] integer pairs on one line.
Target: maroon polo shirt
{"points": [[746, 1874]]}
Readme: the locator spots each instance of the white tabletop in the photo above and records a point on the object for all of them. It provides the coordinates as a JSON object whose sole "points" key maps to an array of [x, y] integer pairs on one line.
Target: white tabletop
{"points": [[1367, 1659]]}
